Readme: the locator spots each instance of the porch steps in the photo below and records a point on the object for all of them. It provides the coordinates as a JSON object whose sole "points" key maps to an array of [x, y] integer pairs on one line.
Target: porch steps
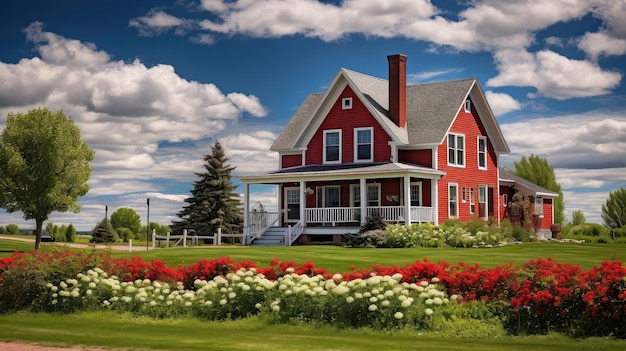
{"points": [[273, 236]]}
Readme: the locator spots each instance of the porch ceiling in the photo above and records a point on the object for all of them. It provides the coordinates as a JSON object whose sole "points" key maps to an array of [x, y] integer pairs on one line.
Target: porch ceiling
{"points": [[343, 172]]}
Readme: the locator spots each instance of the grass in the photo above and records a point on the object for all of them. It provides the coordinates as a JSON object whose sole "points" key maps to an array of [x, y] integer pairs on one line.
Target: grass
{"points": [[128, 332]]}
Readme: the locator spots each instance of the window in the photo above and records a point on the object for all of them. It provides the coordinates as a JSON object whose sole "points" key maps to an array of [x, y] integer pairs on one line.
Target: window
{"points": [[328, 196], [463, 195], [332, 146], [453, 202], [472, 201], [539, 206], [416, 194], [456, 150], [346, 103], [482, 152], [505, 200], [482, 201], [292, 204], [363, 145], [373, 195], [467, 106]]}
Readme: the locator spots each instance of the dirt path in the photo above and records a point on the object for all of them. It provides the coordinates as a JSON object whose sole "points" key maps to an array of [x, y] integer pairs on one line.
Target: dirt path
{"points": [[20, 346], [134, 248]]}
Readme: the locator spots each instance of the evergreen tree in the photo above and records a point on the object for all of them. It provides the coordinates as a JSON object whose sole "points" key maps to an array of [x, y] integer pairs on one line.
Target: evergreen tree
{"points": [[103, 232], [70, 234], [614, 209], [213, 202], [537, 170]]}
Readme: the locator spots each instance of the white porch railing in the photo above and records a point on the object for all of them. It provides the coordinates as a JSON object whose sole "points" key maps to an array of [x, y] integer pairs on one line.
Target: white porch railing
{"points": [[260, 221], [293, 233], [353, 214]]}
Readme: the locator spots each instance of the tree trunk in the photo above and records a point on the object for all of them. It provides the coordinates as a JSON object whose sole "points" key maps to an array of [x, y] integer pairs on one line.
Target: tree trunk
{"points": [[38, 233]]}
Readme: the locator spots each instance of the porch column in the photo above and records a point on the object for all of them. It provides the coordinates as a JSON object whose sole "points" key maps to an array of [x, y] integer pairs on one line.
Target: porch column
{"points": [[246, 204], [434, 199], [302, 202], [407, 202], [363, 195]]}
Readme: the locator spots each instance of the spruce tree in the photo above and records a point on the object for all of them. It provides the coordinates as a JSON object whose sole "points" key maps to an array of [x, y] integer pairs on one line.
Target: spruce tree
{"points": [[213, 202]]}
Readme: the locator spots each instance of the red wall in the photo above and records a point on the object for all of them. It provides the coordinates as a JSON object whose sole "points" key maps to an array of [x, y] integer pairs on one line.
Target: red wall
{"points": [[347, 120], [291, 161], [416, 157], [546, 221], [469, 176]]}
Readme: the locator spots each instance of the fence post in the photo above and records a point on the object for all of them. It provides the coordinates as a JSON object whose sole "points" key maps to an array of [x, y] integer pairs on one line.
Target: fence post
{"points": [[219, 237], [130, 245], [185, 238], [153, 241]]}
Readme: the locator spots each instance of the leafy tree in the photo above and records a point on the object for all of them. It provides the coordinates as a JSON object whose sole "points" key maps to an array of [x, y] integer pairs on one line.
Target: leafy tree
{"points": [[578, 217], [13, 229], [103, 232], [614, 209], [44, 165], [213, 203], [126, 218], [70, 234], [50, 229], [125, 234], [537, 170], [3, 230]]}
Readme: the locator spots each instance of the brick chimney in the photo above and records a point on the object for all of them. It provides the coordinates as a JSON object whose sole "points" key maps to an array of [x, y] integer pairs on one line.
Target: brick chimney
{"points": [[397, 89]]}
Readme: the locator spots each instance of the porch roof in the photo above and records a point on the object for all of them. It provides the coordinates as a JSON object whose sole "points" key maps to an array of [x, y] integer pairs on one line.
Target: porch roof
{"points": [[507, 177], [343, 172]]}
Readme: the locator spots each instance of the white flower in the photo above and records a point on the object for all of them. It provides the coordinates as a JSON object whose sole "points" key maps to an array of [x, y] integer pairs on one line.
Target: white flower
{"points": [[428, 311], [385, 303], [275, 308], [398, 315], [349, 299], [223, 302], [372, 308], [435, 280], [406, 303], [258, 306], [373, 299], [429, 302], [188, 303], [54, 302]]}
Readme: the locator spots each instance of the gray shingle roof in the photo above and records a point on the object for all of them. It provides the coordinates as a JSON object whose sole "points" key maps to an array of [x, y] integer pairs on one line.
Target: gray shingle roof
{"points": [[507, 175], [431, 109]]}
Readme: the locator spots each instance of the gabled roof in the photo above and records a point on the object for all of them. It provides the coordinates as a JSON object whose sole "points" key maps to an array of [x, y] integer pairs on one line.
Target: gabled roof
{"points": [[431, 110], [507, 177]]}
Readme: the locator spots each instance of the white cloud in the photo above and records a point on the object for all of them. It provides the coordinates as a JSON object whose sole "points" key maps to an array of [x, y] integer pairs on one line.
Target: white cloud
{"points": [[552, 74], [416, 78], [157, 21], [502, 103], [602, 44]]}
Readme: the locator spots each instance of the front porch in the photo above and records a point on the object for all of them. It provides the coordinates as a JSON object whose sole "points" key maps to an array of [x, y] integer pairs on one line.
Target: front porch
{"points": [[333, 200]]}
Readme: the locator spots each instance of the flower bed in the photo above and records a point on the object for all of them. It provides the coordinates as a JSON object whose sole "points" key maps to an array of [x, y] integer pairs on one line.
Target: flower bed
{"points": [[541, 296]]}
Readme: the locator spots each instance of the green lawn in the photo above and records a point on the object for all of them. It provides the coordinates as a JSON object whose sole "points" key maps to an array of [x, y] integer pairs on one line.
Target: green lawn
{"points": [[127, 332]]}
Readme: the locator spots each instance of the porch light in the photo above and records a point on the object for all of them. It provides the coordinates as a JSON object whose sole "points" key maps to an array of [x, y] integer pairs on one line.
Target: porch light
{"points": [[309, 191]]}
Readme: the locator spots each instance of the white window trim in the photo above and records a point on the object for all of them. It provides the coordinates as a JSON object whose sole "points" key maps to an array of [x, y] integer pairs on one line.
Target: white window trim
{"points": [[324, 147], [467, 106], [419, 186], [355, 189], [450, 185], [478, 152], [456, 148], [463, 195], [346, 103], [539, 204], [356, 144], [320, 199], [472, 201], [486, 202], [286, 203]]}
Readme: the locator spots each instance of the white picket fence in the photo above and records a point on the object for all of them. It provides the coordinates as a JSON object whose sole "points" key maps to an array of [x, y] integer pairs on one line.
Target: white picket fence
{"points": [[193, 238]]}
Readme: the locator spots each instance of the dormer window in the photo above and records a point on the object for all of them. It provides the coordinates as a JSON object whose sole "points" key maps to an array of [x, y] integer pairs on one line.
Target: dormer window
{"points": [[468, 106], [332, 146], [346, 103]]}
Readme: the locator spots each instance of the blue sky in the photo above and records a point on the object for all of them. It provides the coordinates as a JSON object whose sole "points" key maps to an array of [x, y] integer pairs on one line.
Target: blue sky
{"points": [[151, 84]]}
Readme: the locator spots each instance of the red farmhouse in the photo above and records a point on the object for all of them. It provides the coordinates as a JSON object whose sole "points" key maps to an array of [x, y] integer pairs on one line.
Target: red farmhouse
{"points": [[416, 153]]}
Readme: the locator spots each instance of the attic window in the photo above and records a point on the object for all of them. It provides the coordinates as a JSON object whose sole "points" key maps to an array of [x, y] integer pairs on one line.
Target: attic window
{"points": [[346, 103], [468, 106]]}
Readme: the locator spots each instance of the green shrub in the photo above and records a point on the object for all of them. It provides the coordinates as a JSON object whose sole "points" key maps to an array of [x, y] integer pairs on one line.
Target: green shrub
{"points": [[373, 221], [371, 238], [590, 229], [522, 234], [125, 234], [70, 234], [13, 229], [3, 230], [475, 225], [59, 234], [506, 229]]}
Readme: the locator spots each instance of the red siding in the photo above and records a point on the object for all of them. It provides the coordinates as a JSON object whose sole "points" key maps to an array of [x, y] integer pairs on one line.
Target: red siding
{"points": [[347, 120], [546, 221], [469, 176], [416, 157], [291, 161]]}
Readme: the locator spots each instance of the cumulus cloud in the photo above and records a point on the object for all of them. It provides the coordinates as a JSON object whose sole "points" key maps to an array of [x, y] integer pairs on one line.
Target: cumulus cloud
{"points": [[602, 44], [552, 74], [157, 21], [416, 78], [585, 141], [502, 103], [125, 110]]}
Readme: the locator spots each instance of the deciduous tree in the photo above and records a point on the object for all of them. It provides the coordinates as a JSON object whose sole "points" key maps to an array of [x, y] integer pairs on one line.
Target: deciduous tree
{"points": [[213, 202], [44, 165], [537, 170], [578, 217], [614, 209], [125, 217]]}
